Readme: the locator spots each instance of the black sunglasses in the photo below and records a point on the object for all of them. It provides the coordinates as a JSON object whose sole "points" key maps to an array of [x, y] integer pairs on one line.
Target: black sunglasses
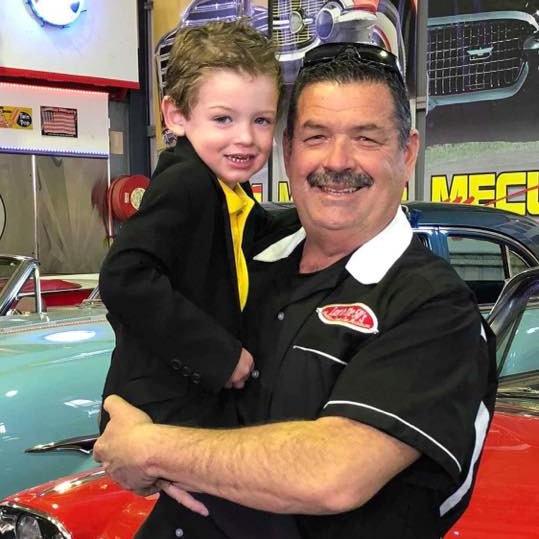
{"points": [[363, 52]]}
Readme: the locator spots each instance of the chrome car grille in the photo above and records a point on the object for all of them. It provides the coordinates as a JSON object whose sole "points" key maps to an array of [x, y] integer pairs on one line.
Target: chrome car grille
{"points": [[162, 54], [294, 23], [476, 54]]}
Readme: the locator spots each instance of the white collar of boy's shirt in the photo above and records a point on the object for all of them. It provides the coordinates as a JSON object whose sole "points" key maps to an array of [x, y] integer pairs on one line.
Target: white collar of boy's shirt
{"points": [[370, 262], [236, 199]]}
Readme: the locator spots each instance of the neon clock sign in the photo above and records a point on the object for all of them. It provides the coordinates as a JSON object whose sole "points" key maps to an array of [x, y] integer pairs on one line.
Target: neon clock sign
{"points": [[56, 12]]}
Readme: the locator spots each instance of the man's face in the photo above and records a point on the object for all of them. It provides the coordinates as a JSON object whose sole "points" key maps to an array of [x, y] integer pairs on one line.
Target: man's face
{"points": [[231, 123], [346, 168]]}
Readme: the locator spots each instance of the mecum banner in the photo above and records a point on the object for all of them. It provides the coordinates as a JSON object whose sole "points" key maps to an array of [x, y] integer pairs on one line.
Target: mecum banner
{"points": [[295, 26], [482, 134]]}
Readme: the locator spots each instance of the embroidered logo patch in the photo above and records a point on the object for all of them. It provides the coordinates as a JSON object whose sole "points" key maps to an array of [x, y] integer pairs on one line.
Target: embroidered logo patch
{"points": [[356, 316]]}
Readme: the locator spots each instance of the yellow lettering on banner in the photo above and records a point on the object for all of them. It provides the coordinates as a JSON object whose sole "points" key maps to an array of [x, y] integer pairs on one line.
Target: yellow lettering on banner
{"points": [[505, 181], [533, 192], [440, 190], [283, 194], [498, 191], [482, 187]]}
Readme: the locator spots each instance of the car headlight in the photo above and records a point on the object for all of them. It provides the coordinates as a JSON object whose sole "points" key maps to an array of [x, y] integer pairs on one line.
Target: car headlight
{"points": [[27, 527], [21, 523]]}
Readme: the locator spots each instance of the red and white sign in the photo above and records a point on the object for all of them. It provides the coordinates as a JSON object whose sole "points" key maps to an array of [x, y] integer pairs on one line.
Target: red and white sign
{"points": [[356, 316]]}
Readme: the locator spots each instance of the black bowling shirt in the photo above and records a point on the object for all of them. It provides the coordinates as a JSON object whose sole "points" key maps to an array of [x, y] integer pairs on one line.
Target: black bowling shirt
{"points": [[390, 337]]}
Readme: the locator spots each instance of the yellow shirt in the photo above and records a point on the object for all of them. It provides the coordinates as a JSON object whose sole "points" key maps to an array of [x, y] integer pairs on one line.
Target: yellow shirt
{"points": [[239, 206]]}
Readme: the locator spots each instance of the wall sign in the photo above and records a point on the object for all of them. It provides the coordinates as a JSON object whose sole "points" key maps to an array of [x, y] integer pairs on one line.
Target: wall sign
{"points": [[57, 121], [57, 12]]}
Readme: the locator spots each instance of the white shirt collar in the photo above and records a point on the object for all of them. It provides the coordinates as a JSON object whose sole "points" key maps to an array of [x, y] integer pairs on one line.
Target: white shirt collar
{"points": [[370, 262], [282, 248]]}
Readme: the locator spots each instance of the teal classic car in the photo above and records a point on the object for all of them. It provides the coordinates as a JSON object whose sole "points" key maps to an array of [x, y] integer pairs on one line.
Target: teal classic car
{"points": [[52, 366], [53, 362]]}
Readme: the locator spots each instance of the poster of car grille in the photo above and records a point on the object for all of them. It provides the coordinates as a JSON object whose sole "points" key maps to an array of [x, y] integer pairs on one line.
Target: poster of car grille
{"points": [[295, 26], [299, 25], [12, 117], [482, 128], [58, 122]]}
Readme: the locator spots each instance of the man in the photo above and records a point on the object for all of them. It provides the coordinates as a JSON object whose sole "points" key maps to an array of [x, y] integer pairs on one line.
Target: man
{"points": [[376, 367]]}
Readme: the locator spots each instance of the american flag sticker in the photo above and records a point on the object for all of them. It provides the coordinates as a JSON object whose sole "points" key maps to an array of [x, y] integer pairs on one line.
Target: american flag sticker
{"points": [[58, 122]]}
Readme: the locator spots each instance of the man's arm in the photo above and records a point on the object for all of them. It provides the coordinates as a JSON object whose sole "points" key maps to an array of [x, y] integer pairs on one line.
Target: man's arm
{"points": [[325, 466]]}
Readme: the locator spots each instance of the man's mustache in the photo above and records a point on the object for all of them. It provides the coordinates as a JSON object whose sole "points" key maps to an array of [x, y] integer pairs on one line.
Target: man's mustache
{"points": [[345, 178]]}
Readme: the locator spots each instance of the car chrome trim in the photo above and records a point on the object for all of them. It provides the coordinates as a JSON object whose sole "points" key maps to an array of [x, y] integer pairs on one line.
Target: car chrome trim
{"points": [[82, 444], [27, 268], [478, 231], [47, 323], [62, 486], [29, 511], [484, 15]]}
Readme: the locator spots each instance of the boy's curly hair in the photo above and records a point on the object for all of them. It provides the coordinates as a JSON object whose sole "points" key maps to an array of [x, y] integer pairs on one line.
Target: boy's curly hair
{"points": [[232, 45]]}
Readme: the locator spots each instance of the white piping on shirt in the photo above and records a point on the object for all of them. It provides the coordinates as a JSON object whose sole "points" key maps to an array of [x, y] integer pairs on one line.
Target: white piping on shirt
{"points": [[362, 405], [320, 353], [481, 427]]}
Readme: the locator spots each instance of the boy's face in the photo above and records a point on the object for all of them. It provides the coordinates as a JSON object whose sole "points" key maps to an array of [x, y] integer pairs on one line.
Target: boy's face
{"points": [[231, 124]]}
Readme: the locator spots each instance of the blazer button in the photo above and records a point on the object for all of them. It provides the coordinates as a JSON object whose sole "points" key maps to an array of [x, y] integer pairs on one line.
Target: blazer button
{"points": [[186, 371], [195, 377], [176, 364]]}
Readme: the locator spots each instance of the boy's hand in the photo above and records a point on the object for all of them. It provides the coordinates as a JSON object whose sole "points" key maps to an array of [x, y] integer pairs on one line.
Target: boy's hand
{"points": [[242, 371]]}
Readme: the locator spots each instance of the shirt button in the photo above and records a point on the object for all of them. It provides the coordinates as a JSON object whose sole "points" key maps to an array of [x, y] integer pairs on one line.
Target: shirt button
{"points": [[280, 316], [176, 364], [255, 374], [186, 371]]}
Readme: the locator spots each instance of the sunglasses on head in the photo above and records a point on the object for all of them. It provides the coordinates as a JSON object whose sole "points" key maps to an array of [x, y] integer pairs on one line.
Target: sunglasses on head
{"points": [[363, 53]]}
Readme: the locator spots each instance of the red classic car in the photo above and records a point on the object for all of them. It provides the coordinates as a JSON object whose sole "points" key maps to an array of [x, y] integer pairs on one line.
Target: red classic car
{"points": [[56, 290], [506, 497]]}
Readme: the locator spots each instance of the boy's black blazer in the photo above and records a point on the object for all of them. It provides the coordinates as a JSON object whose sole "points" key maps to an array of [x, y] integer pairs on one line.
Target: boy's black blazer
{"points": [[170, 286]]}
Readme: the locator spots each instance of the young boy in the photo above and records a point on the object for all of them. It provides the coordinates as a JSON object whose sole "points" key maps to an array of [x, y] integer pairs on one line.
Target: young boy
{"points": [[175, 279]]}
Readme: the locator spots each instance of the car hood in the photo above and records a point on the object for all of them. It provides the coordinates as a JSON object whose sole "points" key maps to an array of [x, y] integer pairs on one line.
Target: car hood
{"points": [[34, 339], [68, 502]]}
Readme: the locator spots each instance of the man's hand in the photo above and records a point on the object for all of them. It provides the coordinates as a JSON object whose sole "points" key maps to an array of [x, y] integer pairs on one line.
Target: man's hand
{"points": [[120, 449], [242, 371]]}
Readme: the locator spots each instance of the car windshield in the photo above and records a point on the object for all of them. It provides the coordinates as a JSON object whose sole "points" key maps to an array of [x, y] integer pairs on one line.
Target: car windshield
{"points": [[518, 344], [8, 267]]}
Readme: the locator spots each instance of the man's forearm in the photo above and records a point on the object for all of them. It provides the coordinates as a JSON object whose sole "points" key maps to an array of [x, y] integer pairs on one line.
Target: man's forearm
{"points": [[314, 467]]}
